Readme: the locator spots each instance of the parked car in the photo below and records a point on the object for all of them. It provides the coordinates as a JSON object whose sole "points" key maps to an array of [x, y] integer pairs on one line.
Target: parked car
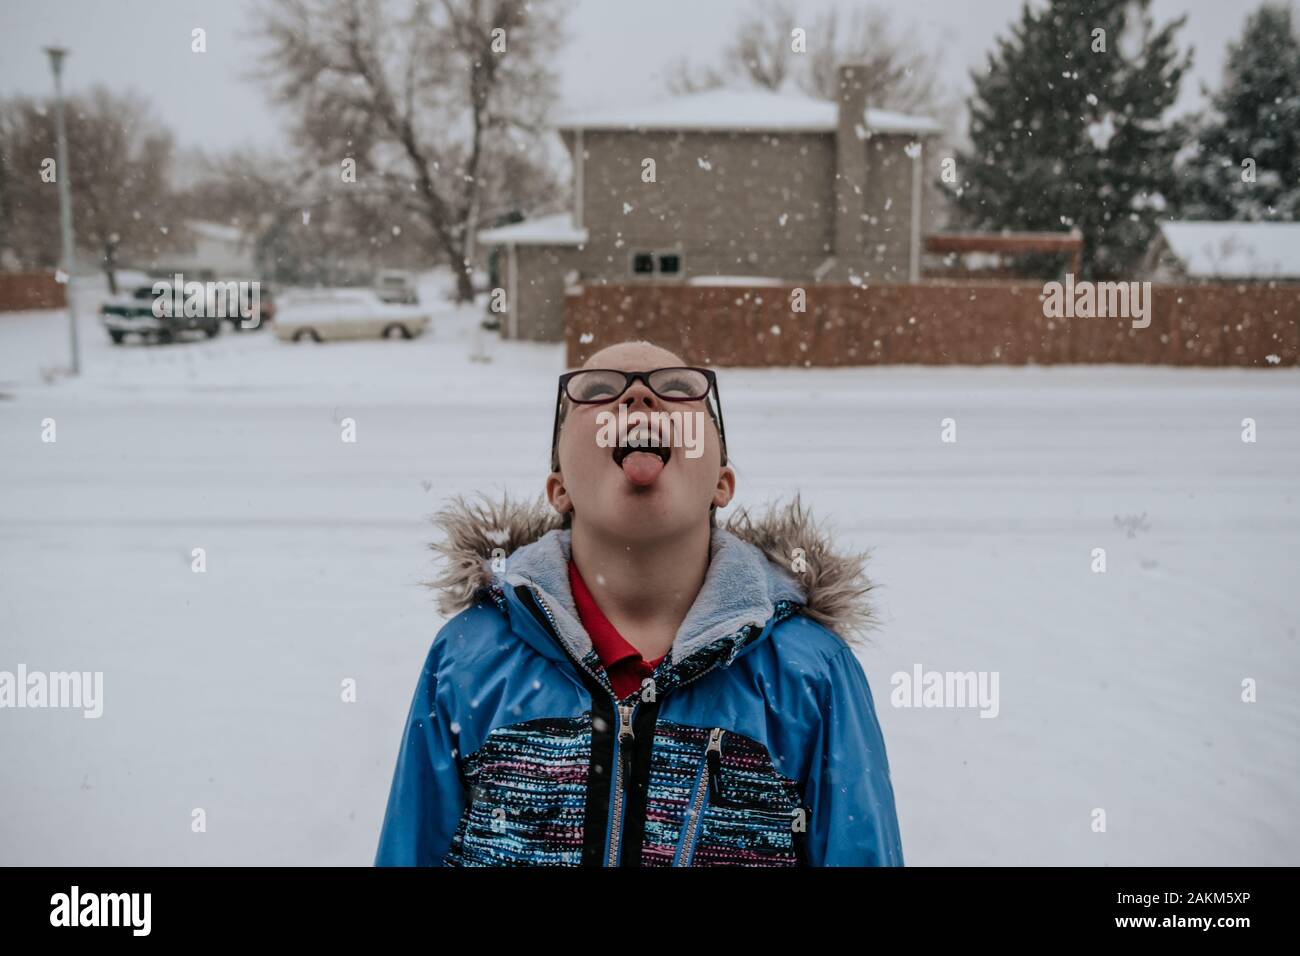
{"points": [[396, 286], [265, 308], [329, 314], [132, 310]]}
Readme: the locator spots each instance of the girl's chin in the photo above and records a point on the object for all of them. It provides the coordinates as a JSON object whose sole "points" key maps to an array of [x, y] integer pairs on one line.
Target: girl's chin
{"points": [[644, 523], [644, 515], [643, 502]]}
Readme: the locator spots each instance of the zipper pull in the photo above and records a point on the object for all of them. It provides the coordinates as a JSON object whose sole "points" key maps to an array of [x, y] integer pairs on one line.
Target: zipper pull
{"points": [[713, 757], [625, 734]]}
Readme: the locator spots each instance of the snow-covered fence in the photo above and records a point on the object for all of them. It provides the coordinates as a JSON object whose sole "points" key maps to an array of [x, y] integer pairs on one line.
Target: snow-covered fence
{"points": [[21, 291], [934, 323]]}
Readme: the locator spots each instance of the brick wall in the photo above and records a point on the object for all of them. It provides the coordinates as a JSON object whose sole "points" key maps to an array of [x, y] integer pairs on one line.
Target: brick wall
{"points": [[21, 291], [934, 323]]}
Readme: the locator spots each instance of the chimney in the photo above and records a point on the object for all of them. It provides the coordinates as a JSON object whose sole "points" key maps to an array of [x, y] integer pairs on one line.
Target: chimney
{"points": [[851, 169]]}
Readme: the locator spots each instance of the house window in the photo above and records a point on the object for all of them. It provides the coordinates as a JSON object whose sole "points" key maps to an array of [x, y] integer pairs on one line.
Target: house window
{"points": [[661, 263]]}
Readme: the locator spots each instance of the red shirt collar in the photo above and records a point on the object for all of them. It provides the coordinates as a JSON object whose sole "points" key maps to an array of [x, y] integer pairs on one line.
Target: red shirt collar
{"points": [[611, 646]]}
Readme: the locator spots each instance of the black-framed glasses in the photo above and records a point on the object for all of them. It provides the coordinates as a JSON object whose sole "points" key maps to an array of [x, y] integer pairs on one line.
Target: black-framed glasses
{"points": [[600, 386]]}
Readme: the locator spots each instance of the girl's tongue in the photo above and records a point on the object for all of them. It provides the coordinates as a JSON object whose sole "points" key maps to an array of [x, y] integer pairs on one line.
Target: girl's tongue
{"points": [[642, 467]]}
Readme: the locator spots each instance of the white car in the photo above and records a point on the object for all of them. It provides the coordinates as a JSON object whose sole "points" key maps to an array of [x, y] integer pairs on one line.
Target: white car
{"points": [[397, 286], [328, 314]]}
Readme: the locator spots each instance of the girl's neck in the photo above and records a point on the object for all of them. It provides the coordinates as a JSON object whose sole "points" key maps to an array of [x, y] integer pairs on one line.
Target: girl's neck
{"points": [[645, 588]]}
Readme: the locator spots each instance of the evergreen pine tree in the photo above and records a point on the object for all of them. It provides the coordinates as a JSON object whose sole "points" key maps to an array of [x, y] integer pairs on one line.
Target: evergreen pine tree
{"points": [[1247, 164], [1067, 129]]}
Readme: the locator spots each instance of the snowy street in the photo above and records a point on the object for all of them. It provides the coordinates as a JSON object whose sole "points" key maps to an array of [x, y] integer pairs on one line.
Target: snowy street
{"points": [[222, 690]]}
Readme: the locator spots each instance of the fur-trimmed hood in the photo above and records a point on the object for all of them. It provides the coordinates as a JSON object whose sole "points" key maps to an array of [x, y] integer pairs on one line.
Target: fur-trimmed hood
{"points": [[801, 563]]}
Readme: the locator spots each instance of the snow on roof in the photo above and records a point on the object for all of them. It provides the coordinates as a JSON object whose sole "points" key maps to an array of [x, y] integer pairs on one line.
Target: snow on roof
{"points": [[887, 121], [743, 110], [734, 281], [1240, 250], [215, 230], [556, 230]]}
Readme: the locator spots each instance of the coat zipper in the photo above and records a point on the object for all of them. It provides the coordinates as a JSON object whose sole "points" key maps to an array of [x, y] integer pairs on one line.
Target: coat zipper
{"points": [[623, 744], [622, 762], [709, 784], [622, 769]]}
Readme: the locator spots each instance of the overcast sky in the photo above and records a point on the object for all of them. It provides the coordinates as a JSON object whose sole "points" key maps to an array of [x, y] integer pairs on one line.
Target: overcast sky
{"points": [[616, 53]]}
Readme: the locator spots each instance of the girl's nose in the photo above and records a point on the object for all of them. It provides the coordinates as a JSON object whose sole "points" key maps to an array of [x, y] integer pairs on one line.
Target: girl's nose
{"points": [[637, 395]]}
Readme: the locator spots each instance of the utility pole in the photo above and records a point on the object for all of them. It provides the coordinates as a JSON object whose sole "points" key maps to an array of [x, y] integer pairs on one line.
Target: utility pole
{"points": [[65, 200]]}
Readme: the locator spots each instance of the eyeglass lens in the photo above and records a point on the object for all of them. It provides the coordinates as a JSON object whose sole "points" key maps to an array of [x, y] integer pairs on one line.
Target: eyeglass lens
{"points": [[672, 384]]}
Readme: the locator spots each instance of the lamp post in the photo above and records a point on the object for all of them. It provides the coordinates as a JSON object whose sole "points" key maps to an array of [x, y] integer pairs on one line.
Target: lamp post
{"points": [[65, 199]]}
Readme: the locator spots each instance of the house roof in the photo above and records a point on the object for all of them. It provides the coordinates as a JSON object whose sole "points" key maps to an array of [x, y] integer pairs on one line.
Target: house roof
{"points": [[556, 230], [743, 111], [215, 230], [1240, 250]]}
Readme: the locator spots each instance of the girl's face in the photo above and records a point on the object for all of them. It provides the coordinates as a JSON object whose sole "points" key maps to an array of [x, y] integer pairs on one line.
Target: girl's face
{"points": [[635, 495]]}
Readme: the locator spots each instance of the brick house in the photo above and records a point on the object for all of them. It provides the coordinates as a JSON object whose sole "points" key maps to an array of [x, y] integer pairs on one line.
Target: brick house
{"points": [[722, 185]]}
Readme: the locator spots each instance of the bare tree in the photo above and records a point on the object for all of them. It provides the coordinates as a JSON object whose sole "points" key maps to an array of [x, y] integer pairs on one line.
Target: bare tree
{"points": [[8, 136], [428, 99], [120, 159], [762, 48], [901, 74], [243, 187], [683, 77]]}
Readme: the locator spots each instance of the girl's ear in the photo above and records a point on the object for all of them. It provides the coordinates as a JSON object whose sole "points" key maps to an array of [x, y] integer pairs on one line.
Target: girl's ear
{"points": [[725, 490], [556, 494]]}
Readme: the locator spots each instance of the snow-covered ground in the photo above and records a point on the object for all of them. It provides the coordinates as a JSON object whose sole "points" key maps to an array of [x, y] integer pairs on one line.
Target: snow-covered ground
{"points": [[1119, 691]]}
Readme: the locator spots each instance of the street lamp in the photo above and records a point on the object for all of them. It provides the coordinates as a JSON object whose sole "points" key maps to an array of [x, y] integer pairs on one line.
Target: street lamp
{"points": [[65, 199]]}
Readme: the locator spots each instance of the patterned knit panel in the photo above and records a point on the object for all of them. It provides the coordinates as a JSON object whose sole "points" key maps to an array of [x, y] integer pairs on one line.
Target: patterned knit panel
{"points": [[528, 796], [749, 822]]}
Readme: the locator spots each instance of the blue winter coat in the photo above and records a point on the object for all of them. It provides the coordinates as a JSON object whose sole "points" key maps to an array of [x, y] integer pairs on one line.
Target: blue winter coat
{"points": [[754, 743]]}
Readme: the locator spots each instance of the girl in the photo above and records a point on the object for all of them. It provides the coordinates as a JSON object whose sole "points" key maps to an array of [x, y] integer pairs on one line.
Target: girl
{"points": [[624, 683]]}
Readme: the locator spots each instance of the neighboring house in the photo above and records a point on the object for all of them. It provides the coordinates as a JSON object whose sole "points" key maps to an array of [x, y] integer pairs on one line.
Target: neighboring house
{"points": [[541, 259], [210, 247], [1224, 250], [723, 184]]}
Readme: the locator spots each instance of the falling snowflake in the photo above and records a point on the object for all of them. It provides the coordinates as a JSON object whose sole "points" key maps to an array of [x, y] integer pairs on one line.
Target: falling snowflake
{"points": [[1102, 131]]}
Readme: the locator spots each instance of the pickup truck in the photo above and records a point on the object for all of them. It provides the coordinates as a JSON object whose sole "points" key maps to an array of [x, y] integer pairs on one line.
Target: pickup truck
{"points": [[132, 310]]}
